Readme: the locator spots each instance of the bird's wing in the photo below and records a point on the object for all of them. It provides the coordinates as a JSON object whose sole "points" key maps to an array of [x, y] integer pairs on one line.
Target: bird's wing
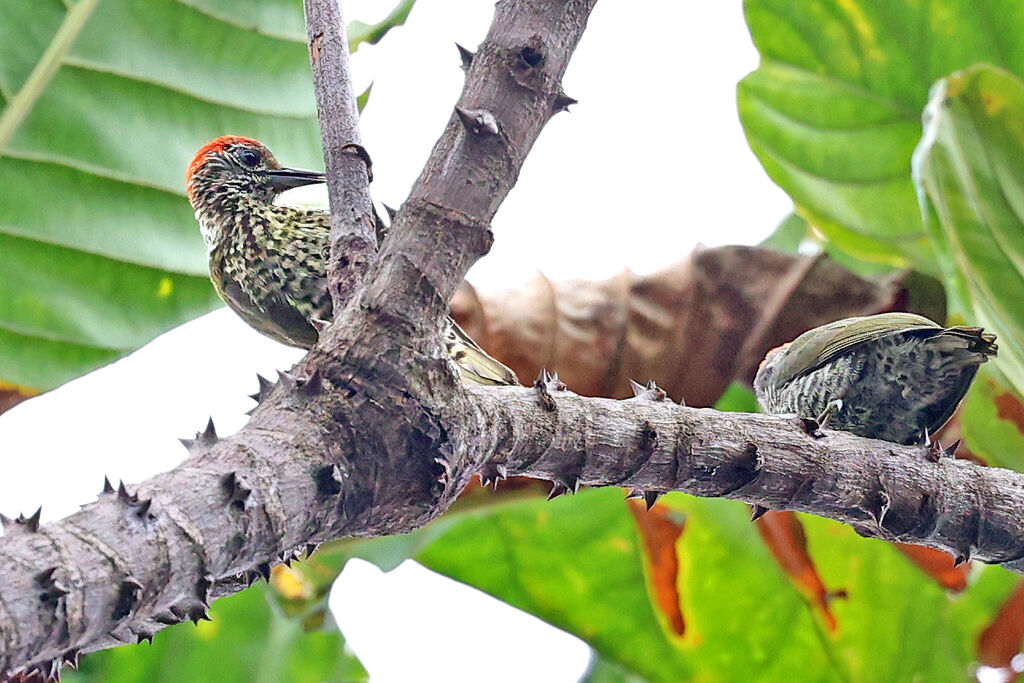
{"points": [[475, 366], [817, 347]]}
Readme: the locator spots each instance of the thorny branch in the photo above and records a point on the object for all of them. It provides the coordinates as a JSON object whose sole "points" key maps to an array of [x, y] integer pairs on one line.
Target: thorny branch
{"points": [[371, 433]]}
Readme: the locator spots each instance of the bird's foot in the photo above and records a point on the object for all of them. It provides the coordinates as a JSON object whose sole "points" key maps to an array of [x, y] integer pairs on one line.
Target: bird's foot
{"points": [[814, 425]]}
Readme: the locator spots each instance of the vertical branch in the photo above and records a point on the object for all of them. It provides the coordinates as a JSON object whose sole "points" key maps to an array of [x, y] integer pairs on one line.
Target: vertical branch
{"points": [[353, 241]]}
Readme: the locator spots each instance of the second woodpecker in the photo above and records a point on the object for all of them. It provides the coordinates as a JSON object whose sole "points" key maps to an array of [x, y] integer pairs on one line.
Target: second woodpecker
{"points": [[895, 376], [269, 263]]}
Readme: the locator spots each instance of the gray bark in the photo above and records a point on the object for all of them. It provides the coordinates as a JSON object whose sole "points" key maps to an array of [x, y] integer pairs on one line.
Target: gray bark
{"points": [[372, 433]]}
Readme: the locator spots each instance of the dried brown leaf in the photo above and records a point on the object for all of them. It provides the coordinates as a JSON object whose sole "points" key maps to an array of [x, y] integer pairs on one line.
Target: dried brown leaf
{"points": [[783, 533], [660, 528], [1000, 642], [693, 327]]}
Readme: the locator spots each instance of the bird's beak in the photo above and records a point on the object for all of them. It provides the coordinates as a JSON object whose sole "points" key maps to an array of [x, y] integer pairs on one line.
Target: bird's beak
{"points": [[282, 179]]}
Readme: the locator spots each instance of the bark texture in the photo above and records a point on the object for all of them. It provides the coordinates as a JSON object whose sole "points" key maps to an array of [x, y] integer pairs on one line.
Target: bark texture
{"points": [[372, 433]]}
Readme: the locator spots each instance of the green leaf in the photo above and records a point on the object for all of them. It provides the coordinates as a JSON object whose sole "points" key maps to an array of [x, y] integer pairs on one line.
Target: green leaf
{"points": [[738, 398], [577, 563], [358, 32], [104, 104], [969, 169], [991, 422], [833, 110], [789, 234], [247, 641]]}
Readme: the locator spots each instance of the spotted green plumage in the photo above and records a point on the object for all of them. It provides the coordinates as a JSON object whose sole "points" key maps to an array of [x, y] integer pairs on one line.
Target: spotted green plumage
{"points": [[896, 374], [269, 263]]}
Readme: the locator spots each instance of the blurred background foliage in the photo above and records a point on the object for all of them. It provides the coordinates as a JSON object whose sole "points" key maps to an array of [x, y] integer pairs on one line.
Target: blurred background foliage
{"points": [[897, 127]]}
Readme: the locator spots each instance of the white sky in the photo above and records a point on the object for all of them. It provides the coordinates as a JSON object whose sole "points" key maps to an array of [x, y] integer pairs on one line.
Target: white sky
{"points": [[655, 133]]}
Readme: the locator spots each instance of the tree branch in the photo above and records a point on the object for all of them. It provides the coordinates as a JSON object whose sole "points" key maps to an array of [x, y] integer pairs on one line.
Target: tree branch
{"points": [[652, 446], [368, 437], [353, 239], [513, 88], [372, 434]]}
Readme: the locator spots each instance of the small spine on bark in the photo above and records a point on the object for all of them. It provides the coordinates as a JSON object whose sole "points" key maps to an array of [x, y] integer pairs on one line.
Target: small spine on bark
{"points": [[649, 392], [107, 486], [757, 512], [287, 380], [312, 385], [21, 524], [466, 57], [540, 385], [562, 102], [478, 121], [557, 489]]}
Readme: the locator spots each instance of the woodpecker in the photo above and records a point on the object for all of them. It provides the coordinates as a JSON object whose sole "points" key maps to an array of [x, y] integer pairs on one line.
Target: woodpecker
{"points": [[895, 376], [269, 262]]}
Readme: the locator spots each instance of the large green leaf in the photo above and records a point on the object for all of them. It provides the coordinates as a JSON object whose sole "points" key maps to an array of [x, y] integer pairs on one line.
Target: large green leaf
{"points": [[578, 564], [969, 169], [104, 102], [247, 641], [833, 111]]}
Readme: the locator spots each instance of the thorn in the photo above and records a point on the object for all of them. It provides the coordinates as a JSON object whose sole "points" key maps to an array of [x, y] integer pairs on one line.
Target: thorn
{"points": [[311, 548], [502, 471], [198, 613], [563, 102], [32, 523], [757, 511], [570, 484], [144, 636], [961, 558], [266, 386], [543, 396], [166, 618], [466, 56], [312, 385], [478, 120], [70, 658], [124, 496], [328, 480], [557, 489], [264, 570], [811, 427], [635, 493], [651, 391], [209, 435], [189, 444], [144, 507], [107, 487], [555, 384], [286, 379], [390, 211], [650, 498], [950, 451]]}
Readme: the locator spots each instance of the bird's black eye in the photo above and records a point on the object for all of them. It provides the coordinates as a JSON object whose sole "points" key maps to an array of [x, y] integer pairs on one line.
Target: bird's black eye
{"points": [[249, 158]]}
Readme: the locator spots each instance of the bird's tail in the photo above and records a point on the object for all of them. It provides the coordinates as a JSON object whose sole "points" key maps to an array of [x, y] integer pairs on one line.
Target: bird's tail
{"points": [[475, 366], [974, 343]]}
